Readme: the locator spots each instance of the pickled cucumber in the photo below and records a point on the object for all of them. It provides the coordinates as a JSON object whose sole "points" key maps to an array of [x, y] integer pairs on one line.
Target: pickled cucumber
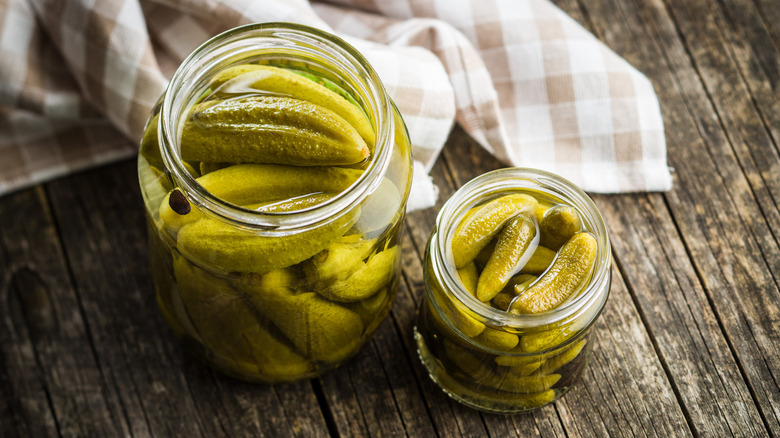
{"points": [[535, 342], [539, 261], [482, 223], [246, 184], [339, 260], [570, 270], [293, 204], [502, 300], [457, 315], [469, 277], [554, 363], [269, 129], [516, 285], [150, 145], [540, 210], [485, 373], [498, 400], [372, 309], [472, 364], [229, 248], [366, 281], [519, 283], [226, 325], [246, 78], [206, 167], [484, 256], [521, 360], [559, 224], [319, 328], [496, 339], [510, 254], [525, 369]]}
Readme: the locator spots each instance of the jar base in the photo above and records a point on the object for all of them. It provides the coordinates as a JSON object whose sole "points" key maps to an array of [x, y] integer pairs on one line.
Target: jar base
{"points": [[507, 404]]}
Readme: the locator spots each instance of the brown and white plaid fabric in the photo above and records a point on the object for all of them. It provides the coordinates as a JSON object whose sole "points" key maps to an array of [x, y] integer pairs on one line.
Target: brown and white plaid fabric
{"points": [[79, 77]]}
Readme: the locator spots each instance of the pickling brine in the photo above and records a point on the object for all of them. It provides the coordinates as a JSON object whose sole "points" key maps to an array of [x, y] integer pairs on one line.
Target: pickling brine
{"points": [[275, 172]]}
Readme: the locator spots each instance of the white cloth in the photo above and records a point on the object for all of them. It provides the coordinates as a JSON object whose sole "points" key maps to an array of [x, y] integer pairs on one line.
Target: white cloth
{"points": [[79, 78]]}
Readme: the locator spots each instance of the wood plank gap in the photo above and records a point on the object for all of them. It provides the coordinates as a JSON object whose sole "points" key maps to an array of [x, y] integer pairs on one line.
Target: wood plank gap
{"points": [[654, 342], [734, 25], [728, 138], [412, 359], [589, 389], [563, 423], [767, 23], [752, 392], [355, 390], [718, 320], [736, 63], [445, 161], [737, 160], [484, 424], [5, 285], [408, 283], [213, 378], [327, 414], [38, 362], [87, 329], [420, 254], [387, 377], [714, 107], [611, 383]]}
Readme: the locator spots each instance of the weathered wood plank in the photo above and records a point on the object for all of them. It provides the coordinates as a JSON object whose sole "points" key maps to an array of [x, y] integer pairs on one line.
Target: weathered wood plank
{"points": [[162, 392], [747, 39], [678, 314], [770, 15], [103, 232], [723, 201], [746, 102], [54, 385], [26, 408]]}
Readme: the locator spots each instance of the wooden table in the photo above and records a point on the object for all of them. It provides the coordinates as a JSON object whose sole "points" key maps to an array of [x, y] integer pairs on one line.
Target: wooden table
{"points": [[689, 343]]}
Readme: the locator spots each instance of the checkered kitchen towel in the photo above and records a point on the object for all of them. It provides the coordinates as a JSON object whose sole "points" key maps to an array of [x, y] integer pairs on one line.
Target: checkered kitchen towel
{"points": [[78, 79]]}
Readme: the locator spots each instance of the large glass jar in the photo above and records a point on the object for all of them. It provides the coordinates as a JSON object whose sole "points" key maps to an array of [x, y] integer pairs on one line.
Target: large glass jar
{"points": [[275, 172], [520, 343]]}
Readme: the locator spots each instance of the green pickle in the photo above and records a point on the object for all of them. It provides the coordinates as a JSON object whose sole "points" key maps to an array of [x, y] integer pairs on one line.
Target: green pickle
{"points": [[516, 252], [273, 138]]}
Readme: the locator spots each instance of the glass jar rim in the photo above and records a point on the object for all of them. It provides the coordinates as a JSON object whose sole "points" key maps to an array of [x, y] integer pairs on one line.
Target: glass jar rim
{"points": [[345, 58], [494, 183]]}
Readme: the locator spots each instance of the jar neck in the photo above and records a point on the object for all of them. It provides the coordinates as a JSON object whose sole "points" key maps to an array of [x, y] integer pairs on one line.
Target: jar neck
{"points": [[320, 52], [494, 184]]}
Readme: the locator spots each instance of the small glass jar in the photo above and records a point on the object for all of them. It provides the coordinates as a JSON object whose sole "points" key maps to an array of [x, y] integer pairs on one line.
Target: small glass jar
{"points": [[486, 357], [274, 272]]}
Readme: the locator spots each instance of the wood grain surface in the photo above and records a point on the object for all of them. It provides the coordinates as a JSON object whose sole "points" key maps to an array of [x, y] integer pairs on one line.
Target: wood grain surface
{"points": [[688, 344]]}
